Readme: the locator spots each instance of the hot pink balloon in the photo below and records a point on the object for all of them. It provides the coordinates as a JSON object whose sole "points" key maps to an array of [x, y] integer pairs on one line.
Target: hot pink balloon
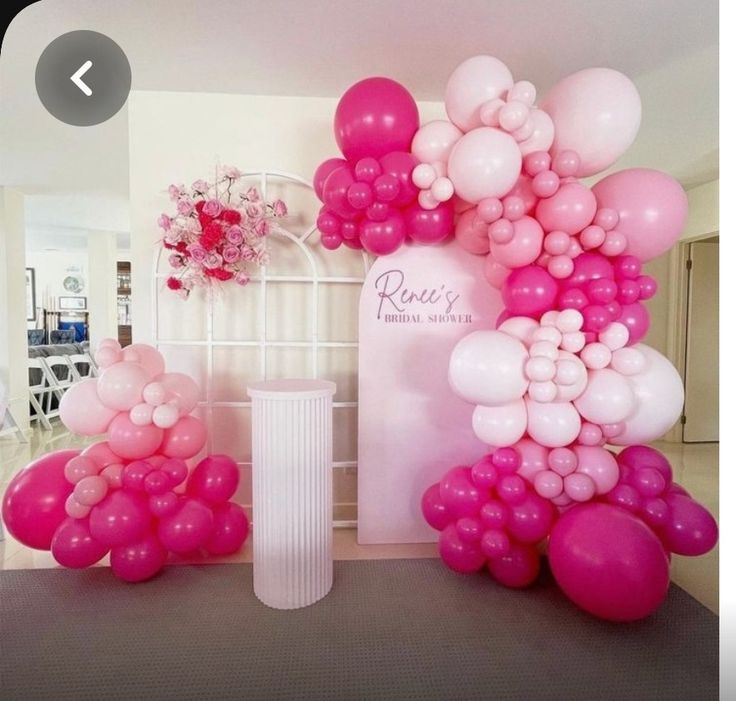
{"points": [[609, 562], [638, 456], [570, 209], [323, 170], [215, 479], [689, 529], [400, 165], [459, 555], [531, 520], [652, 209], [458, 492], [635, 318], [230, 529], [122, 517], [529, 291], [120, 387], [518, 568], [34, 501], [335, 191], [429, 226], [523, 248], [139, 561], [81, 410], [73, 545], [383, 237], [184, 439], [133, 442], [586, 267], [188, 528], [434, 510], [471, 232], [147, 356], [374, 117]]}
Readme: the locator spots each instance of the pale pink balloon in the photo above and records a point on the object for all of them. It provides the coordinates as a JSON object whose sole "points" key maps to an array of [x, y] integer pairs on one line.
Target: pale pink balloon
{"points": [[533, 458], [608, 398], [133, 442], [494, 272], [652, 209], [182, 388], [80, 467], [120, 387], [543, 133], [579, 487], [147, 356], [563, 461], [471, 232], [600, 465], [141, 414], [165, 416], [485, 162], [523, 248], [570, 209], [548, 484], [90, 490], [185, 439], [568, 391], [628, 361], [500, 426], [107, 356], [552, 424], [113, 474], [434, 141], [596, 112], [520, 327], [471, 85], [659, 399], [596, 356], [109, 343], [154, 393], [74, 509], [101, 453], [81, 410]]}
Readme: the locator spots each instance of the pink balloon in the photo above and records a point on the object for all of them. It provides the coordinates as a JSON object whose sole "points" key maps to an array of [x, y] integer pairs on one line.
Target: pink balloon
{"points": [[609, 562], [531, 520], [120, 387], [133, 442], [529, 291], [323, 170], [34, 501], [473, 83], [494, 272], [122, 517], [635, 318], [90, 490], [374, 117], [184, 439], [188, 528], [518, 568], [360, 195], [80, 467], [434, 510], [73, 545], [383, 237], [598, 464], [147, 356], [335, 191], [230, 529], [176, 469], [596, 112], [429, 226], [570, 209], [102, 454], [523, 248], [552, 424], [533, 458], [214, 480], [400, 165], [459, 494], [471, 232], [485, 162], [638, 456], [543, 133], [139, 561], [690, 529], [434, 141], [81, 410], [588, 266], [652, 209], [459, 555]]}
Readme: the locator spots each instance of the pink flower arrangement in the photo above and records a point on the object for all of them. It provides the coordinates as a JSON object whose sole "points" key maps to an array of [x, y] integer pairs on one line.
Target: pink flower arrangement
{"points": [[216, 231]]}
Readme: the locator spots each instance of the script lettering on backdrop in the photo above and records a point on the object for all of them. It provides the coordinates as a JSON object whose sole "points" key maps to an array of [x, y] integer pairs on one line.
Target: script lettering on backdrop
{"points": [[414, 307]]}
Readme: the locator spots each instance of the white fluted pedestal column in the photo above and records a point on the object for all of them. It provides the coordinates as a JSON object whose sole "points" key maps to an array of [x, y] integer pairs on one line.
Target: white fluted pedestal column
{"points": [[292, 491]]}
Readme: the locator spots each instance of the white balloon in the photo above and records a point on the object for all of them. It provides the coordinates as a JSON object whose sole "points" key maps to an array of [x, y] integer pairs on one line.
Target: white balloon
{"points": [[628, 361], [553, 425], [608, 398], [165, 415], [521, 327], [543, 133], [615, 335], [487, 367], [434, 141], [660, 396], [500, 426], [568, 392]]}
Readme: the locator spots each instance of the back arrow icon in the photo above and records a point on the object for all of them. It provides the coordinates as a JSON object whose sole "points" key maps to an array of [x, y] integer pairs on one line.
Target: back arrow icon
{"points": [[77, 78]]}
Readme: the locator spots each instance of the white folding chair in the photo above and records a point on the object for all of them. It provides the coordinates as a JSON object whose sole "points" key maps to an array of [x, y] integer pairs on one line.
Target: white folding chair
{"points": [[63, 380], [39, 390], [82, 359]]}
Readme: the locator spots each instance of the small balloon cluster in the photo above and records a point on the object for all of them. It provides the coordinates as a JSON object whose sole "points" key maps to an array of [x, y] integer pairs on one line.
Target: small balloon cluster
{"points": [[131, 495]]}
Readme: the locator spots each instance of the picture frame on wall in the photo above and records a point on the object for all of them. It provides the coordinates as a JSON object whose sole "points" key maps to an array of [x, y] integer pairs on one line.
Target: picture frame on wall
{"points": [[72, 304], [30, 294]]}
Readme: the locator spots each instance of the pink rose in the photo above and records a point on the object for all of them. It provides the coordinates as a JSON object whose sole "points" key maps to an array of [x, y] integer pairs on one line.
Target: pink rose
{"points": [[176, 261], [200, 186], [251, 194], [212, 208], [242, 278], [164, 221], [279, 208], [234, 235], [254, 210], [184, 206], [248, 253], [230, 253], [261, 227], [212, 261], [231, 172], [175, 191], [197, 252]]}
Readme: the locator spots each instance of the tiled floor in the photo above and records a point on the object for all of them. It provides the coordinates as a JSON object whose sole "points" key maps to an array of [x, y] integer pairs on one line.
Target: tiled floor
{"points": [[695, 467]]}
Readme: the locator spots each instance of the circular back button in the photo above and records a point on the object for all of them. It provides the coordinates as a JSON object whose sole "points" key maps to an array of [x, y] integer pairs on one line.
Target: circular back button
{"points": [[83, 78]]}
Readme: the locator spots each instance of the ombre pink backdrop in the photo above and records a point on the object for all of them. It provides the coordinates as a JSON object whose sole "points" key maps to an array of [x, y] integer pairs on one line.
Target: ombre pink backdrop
{"points": [[415, 306]]}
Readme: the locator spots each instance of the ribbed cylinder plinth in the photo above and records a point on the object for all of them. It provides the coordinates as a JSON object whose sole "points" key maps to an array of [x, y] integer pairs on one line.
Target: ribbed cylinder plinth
{"points": [[292, 491]]}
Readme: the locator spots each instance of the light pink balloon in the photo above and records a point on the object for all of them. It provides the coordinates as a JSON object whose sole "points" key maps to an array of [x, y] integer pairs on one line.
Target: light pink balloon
{"points": [[102, 454], [81, 410], [600, 465], [75, 509], [471, 233], [133, 442], [548, 484], [182, 388], [494, 272], [500, 426], [141, 414], [652, 208], [474, 82], [165, 416], [80, 467], [533, 458], [185, 439], [521, 327], [434, 141], [552, 424], [570, 209], [523, 248], [90, 490], [607, 399], [154, 393], [579, 487], [543, 133], [109, 343], [486, 162], [113, 474], [120, 387], [147, 356], [107, 356], [596, 112]]}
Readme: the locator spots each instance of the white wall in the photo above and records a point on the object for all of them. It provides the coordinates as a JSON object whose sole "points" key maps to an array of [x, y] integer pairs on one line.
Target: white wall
{"points": [[51, 268]]}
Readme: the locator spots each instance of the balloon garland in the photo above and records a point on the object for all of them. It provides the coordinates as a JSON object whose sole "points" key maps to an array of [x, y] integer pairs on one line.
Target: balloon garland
{"points": [[564, 372]]}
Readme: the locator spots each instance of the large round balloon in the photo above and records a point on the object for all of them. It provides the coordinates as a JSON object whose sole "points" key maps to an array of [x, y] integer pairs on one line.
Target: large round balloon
{"points": [[596, 112], [609, 562], [81, 410], [652, 209], [133, 442], [33, 505], [374, 117]]}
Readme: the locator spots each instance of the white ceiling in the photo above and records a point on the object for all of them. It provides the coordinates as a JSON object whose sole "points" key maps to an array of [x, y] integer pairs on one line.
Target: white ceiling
{"points": [[294, 47]]}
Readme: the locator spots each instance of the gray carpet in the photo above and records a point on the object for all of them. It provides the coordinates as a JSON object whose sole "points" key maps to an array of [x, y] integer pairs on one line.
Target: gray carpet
{"points": [[395, 629]]}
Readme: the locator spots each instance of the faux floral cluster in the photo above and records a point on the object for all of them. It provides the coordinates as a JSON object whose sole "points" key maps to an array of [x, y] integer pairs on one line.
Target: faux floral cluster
{"points": [[218, 229]]}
